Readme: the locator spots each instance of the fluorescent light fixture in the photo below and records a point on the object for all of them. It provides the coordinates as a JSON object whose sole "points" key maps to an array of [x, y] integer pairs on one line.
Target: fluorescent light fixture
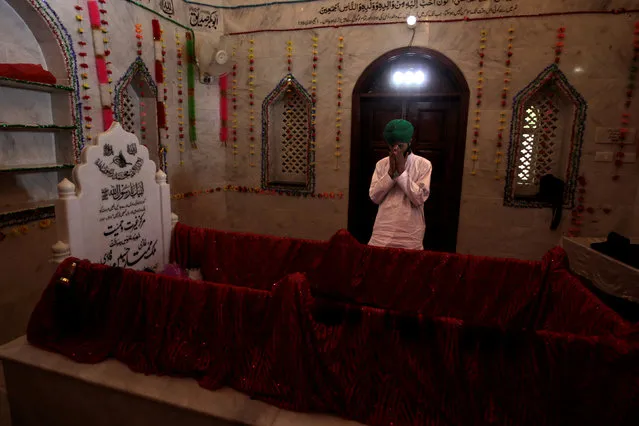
{"points": [[408, 78]]}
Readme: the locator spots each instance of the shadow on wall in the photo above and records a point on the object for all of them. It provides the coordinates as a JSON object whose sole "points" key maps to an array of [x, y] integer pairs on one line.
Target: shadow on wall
{"points": [[26, 271]]}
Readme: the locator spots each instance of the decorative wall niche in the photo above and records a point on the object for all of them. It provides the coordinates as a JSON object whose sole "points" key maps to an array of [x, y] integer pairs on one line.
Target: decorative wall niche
{"points": [[135, 109], [40, 136], [546, 137], [288, 154]]}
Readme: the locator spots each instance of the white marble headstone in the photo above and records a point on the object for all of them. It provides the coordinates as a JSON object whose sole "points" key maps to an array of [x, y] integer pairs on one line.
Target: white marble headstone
{"points": [[118, 213]]}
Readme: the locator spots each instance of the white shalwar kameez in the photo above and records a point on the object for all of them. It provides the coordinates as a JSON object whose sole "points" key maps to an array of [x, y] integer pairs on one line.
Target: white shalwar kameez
{"points": [[400, 218]]}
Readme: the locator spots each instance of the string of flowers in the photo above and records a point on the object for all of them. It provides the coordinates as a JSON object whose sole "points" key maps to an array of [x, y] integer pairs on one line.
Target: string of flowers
{"points": [[165, 98], [288, 120], [257, 190], [234, 102], [499, 154], [139, 37], [559, 46], [25, 228], [180, 99], [190, 84], [162, 122], [577, 213], [142, 116], [625, 115], [289, 55], [480, 87], [338, 112], [99, 31], [105, 44], [251, 83], [314, 92], [84, 72], [289, 103]]}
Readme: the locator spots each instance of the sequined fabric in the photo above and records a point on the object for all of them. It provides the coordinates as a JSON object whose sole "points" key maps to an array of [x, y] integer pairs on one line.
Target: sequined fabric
{"points": [[375, 335]]}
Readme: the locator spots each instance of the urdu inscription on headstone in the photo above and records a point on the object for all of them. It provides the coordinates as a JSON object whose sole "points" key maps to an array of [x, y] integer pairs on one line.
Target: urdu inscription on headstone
{"points": [[119, 212]]}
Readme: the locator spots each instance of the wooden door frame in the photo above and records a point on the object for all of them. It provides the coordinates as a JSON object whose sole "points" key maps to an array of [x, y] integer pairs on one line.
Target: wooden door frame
{"points": [[462, 90]]}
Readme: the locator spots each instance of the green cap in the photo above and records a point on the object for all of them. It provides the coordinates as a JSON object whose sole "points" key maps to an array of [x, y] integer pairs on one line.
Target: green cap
{"points": [[398, 131]]}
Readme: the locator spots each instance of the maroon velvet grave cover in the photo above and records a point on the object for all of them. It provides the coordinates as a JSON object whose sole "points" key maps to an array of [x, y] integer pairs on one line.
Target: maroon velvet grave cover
{"points": [[379, 336]]}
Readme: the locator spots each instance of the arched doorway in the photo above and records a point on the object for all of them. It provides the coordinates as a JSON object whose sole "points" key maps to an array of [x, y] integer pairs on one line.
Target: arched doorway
{"points": [[438, 108]]}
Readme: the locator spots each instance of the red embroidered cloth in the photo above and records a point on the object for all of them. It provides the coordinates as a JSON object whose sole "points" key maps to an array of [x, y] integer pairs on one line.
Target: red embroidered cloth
{"points": [[480, 344]]}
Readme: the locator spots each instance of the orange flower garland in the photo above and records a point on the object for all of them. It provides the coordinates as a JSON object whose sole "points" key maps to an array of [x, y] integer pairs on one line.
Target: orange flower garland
{"points": [[21, 230]]}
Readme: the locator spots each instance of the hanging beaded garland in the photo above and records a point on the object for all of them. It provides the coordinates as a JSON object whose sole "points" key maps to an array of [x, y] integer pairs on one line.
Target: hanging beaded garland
{"points": [[289, 55], [143, 114], [105, 44], [234, 120], [559, 46], [625, 115], [84, 72], [338, 112], [314, 92], [139, 37], [99, 31], [251, 91], [499, 154], [159, 53], [165, 97], [180, 96], [190, 81], [576, 220], [259, 190], [480, 88]]}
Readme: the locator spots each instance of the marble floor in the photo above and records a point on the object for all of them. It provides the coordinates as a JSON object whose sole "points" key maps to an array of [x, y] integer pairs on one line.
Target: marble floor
{"points": [[61, 386]]}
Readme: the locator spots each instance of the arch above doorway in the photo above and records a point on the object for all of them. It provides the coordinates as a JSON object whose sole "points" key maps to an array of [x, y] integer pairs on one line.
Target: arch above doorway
{"points": [[444, 66], [439, 110]]}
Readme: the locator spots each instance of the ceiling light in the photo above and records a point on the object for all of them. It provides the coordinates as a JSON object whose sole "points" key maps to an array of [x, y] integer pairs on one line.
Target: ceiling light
{"points": [[408, 78], [398, 78]]}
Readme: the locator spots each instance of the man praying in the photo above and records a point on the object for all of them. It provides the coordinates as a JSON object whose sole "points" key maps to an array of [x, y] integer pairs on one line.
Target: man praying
{"points": [[400, 186]]}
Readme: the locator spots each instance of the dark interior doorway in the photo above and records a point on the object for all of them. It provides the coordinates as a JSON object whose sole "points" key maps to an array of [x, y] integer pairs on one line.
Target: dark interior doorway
{"points": [[438, 108]]}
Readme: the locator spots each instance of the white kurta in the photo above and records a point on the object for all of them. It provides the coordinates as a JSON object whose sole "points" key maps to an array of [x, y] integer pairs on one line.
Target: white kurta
{"points": [[400, 218]]}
